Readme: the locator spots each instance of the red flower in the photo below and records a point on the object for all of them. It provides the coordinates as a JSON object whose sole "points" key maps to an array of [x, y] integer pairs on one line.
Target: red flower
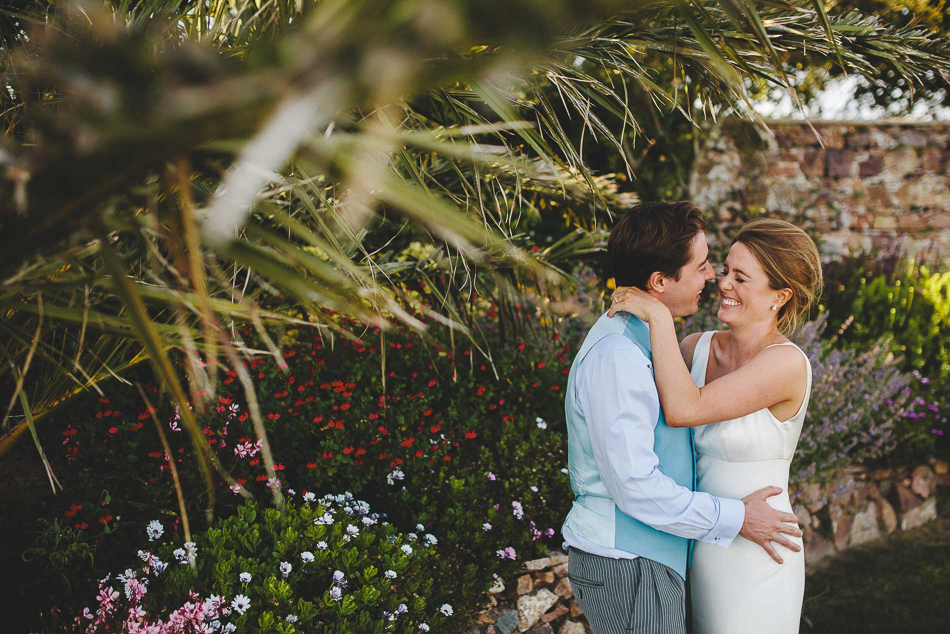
{"points": [[541, 365], [435, 429], [339, 424], [105, 518], [254, 462], [262, 477], [396, 462], [407, 442], [327, 454], [311, 465], [113, 430], [360, 452], [345, 406], [470, 434], [82, 526], [432, 383], [480, 391], [278, 467], [349, 450], [419, 454], [241, 481], [318, 419], [382, 456], [243, 417], [448, 458], [555, 387], [427, 412]]}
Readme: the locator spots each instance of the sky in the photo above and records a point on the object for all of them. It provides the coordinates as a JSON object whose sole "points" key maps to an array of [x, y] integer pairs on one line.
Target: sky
{"points": [[837, 102]]}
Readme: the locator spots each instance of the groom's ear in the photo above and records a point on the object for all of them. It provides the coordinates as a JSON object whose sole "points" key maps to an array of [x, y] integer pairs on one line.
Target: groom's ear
{"points": [[656, 282]]}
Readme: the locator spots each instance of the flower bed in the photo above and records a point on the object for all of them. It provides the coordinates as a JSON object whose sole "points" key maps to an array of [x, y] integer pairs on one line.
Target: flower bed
{"points": [[438, 440]]}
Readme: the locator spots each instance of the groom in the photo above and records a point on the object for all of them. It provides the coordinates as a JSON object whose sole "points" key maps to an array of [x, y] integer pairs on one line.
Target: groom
{"points": [[633, 476]]}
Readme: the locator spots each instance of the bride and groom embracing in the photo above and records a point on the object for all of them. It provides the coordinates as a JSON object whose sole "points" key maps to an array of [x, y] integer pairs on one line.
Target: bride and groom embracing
{"points": [[679, 452]]}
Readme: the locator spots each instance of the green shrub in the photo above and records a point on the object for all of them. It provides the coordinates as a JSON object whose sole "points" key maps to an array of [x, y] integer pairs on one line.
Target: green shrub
{"points": [[329, 566]]}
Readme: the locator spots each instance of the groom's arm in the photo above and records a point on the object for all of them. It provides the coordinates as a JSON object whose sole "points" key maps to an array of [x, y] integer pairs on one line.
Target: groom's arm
{"points": [[620, 402]]}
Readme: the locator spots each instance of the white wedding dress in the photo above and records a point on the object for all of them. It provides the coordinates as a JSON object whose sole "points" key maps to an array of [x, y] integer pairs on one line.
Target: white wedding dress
{"points": [[741, 589]]}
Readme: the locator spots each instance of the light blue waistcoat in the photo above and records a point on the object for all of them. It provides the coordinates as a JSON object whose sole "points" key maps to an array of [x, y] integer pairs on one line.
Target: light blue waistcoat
{"points": [[594, 515]]}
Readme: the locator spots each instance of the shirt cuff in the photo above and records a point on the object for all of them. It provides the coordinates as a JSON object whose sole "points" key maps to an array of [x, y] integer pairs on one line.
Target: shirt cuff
{"points": [[731, 517]]}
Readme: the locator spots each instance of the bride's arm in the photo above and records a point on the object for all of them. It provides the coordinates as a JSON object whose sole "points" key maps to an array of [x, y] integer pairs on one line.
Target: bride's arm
{"points": [[773, 376]]}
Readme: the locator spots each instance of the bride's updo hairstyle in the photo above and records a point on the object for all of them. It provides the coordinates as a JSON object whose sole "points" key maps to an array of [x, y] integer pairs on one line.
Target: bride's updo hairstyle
{"points": [[790, 259]]}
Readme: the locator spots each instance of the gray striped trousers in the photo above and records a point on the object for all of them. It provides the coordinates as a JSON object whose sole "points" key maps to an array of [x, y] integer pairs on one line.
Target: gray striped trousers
{"points": [[624, 596]]}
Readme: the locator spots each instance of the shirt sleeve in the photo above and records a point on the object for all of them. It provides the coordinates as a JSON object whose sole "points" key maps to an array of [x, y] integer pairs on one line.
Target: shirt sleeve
{"points": [[617, 394]]}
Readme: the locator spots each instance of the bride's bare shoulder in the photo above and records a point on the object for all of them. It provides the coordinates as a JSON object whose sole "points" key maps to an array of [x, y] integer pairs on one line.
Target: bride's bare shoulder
{"points": [[688, 346]]}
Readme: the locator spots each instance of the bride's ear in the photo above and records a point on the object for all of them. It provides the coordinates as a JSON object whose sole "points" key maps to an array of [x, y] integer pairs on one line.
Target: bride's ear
{"points": [[782, 297]]}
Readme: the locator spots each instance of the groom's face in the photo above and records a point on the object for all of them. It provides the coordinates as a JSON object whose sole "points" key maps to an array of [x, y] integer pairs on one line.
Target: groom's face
{"points": [[682, 296]]}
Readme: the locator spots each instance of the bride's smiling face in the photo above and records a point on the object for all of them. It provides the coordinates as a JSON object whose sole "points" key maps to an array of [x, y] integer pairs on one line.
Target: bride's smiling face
{"points": [[744, 293]]}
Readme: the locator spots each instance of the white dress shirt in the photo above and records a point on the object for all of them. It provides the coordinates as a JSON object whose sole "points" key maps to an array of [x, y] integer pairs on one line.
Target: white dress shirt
{"points": [[617, 395]]}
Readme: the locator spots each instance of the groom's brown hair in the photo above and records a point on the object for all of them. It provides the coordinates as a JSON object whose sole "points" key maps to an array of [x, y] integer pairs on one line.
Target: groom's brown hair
{"points": [[653, 237]]}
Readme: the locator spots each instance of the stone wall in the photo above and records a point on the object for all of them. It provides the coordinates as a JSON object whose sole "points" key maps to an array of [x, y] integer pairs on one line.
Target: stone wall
{"points": [[873, 185], [857, 507]]}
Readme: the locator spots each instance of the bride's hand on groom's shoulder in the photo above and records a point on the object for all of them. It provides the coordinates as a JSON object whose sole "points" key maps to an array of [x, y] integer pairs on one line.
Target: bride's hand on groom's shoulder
{"points": [[640, 304]]}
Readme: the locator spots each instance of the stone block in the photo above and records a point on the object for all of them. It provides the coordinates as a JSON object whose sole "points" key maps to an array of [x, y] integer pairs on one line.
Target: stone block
{"points": [[864, 526], [922, 481], [507, 622], [912, 137], [813, 497], [491, 629], [525, 585], [544, 628], [560, 570], [941, 467], [919, 515], [498, 587], [545, 578], [885, 222], [838, 163], [576, 609], [572, 627], [832, 136], [488, 616], [538, 564], [813, 163], [555, 614], [886, 516], [532, 606], [871, 167], [841, 519], [933, 160], [556, 557], [784, 169], [563, 589], [817, 548], [804, 519], [906, 499], [913, 221], [900, 163]]}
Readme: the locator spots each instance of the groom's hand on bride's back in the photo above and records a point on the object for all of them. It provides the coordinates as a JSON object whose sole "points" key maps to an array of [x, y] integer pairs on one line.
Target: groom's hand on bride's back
{"points": [[764, 524]]}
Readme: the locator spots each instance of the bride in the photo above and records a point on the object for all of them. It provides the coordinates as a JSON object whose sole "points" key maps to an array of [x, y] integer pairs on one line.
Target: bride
{"points": [[744, 391]]}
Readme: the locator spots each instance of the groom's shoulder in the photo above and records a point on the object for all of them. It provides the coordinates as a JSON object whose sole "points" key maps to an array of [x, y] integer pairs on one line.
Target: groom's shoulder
{"points": [[615, 346]]}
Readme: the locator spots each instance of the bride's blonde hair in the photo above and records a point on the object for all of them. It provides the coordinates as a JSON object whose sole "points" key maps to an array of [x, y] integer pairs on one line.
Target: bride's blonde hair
{"points": [[790, 260]]}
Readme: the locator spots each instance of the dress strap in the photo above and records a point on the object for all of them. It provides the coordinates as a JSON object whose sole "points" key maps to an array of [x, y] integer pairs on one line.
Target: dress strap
{"points": [[697, 368], [801, 408]]}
